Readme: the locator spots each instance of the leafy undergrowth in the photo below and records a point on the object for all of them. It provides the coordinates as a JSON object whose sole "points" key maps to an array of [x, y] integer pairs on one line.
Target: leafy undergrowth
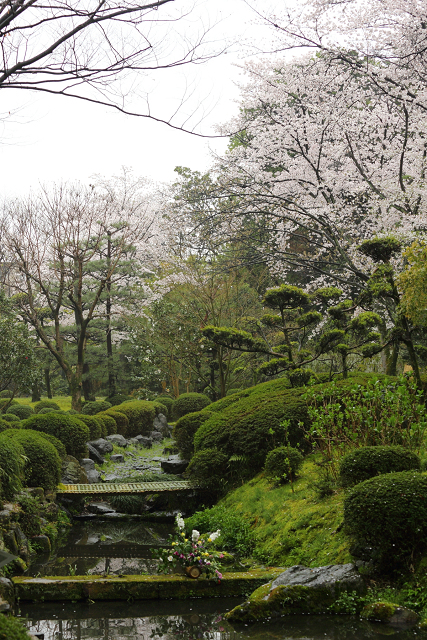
{"points": [[288, 527]]}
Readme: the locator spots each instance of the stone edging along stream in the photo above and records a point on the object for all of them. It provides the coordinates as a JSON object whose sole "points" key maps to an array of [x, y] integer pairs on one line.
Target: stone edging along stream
{"points": [[84, 588]]}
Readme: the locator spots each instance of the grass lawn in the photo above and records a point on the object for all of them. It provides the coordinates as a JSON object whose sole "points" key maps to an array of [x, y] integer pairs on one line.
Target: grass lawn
{"points": [[64, 402]]}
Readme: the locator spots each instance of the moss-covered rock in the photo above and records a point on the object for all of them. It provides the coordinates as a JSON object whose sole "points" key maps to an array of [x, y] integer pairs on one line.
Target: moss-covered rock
{"points": [[390, 613]]}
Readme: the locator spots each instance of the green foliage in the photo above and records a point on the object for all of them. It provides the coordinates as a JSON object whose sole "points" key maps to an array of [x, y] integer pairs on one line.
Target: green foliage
{"points": [[49, 410], [6, 393], [237, 535], [95, 428], [18, 357], [300, 377], [45, 404], [286, 297], [140, 414], [23, 411], [208, 469], [9, 417], [108, 423], [381, 249], [185, 429], [59, 446], [11, 467], [282, 464], [389, 514], [7, 402], [91, 408], [189, 403], [73, 433], [120, 419], [413, 282], [12, 629], [367, 462], [167, 402], [383, 412], [43, 464], [118, 398]]}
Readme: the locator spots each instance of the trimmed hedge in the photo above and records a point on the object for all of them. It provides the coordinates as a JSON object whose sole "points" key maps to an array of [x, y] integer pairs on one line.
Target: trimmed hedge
{"points": [[167, 402], [7, 402], [43, 465], [367, 462], [389, 514], [185, 430], [118, 398], [94, 424], [12, 629], [6, 424], [121, 420], [73, 433], [108, 423], [22, 411], [189, 403], [59, 446], [282, 464], [208, 469], [45, 404], [11, 466], [91, 408], [9, 417], [140, 414]]}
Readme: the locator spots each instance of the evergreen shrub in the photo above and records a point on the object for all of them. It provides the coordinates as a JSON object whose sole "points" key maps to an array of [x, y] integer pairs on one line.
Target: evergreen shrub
{"points": [[72, 412], [22, 411], [9, 417], [59, 446], [6, 393], [48, 410], [167, 402], [73, 433], [282, 464], [118, 398], [185, 429], [189, 403], [389, 514], [120, 419], [45, 404], [43, 465], [108, 423], [91, 408], [12, 629], [94, 424], [11, 467], [5, 424], [7, 402], [367, 462], [140, 414], [237, 535], [208, 469]]}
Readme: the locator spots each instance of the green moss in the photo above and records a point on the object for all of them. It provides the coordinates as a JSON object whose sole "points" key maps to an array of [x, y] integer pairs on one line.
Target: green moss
{"points": [[12, 629], [378, 611]]}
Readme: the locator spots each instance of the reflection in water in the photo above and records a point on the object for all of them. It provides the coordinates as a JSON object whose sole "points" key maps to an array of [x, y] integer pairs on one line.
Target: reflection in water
{"points": [[192, 620]]}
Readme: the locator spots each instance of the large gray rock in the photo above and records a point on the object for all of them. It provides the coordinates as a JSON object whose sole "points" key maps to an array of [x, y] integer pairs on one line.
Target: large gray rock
{"points": [[93, 475], [102, 446], [299, 590], [174, 465], [389, 613], [117, 439], [94, 454], [160, 423], [72, 471], [156, 436], [117, 457], [145, 442]]}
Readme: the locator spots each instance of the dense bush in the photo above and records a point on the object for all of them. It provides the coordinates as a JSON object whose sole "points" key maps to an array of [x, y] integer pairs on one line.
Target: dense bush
{"points": [[22, 411], [94, 424], [208, 469], [6, 393], [166, 401], [140, 414], [118, 398], [108, 423], [11, 467], [59, 446], [73, 433], [12, 629], [189, 403], [91, 408], [237, 535], [282, 464], [7, 402], [121, 421], [9, 417], [185, 429], [43, 464], [45, 404], [48, 410], [72, 412], [389, 514], [367, 462]]}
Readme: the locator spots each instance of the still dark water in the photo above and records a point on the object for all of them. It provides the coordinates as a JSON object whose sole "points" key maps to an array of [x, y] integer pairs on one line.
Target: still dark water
{"points": [[191, 620]]}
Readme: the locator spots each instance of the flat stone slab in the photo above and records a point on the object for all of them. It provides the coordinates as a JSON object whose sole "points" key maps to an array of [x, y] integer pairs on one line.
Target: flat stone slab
{"points": [[346, 575], [158, 587]]}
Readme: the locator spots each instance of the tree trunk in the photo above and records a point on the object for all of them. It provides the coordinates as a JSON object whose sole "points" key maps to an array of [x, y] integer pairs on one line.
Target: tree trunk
{"points": [[75, 382], [47, 382], [391, 368], [35, 393], [87, 385]]}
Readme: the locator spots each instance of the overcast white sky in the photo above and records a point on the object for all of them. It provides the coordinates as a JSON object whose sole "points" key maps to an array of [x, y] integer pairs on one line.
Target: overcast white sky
{"points": [[53, 138]]}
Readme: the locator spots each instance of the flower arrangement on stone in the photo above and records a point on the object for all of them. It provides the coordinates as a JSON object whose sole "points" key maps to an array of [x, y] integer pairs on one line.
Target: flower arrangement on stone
{"points": [[191, 552]]}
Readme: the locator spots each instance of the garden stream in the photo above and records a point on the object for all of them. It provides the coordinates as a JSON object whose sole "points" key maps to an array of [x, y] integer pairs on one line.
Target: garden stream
{"points": [[123, 547]]}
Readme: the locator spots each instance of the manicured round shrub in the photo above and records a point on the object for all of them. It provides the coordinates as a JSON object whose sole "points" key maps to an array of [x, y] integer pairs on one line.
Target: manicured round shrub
{"points": [[9, 417], [282, 464], [23, 411], [389, 514], [72, 412], [7, 402], [73, 433], [59, 446], [6, 393], [189, 403], [121, 420], [140, 414], [45, 404], [367, 462], [48, 410], [185, 429], [12, 629], [11, 467], [118, 398], [43, 464], [95, 429], [168, 402], [208, 469], [5, 424], [90, 408], [109, 425]]}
